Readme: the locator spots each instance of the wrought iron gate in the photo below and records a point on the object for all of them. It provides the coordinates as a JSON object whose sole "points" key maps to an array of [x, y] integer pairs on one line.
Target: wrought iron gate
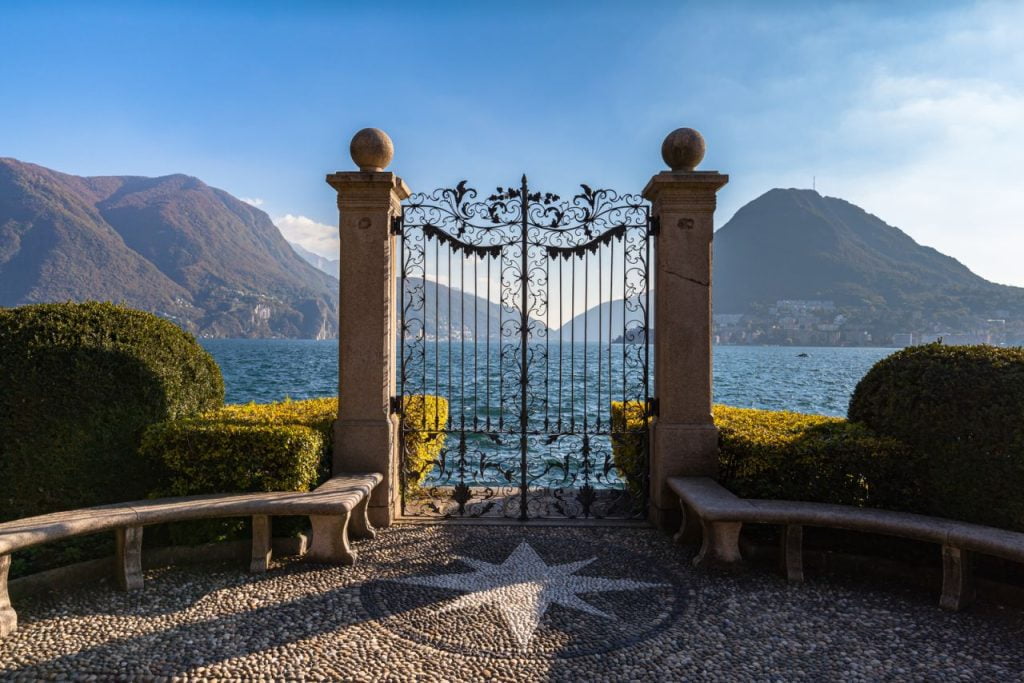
{"points": [[524, 347]]}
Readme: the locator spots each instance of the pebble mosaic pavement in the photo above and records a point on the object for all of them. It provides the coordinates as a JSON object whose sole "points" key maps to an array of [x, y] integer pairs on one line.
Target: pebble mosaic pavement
{"points": [[505, 603]]}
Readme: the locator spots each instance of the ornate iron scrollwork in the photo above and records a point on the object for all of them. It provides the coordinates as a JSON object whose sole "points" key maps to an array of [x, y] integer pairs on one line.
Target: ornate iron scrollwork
{"points": [[530, 429]]}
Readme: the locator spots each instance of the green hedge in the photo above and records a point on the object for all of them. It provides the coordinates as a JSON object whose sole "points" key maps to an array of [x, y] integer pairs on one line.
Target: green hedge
{"points": [[318, 413], [961, 410], [209, 456], [629, 436], [422, 447], [793, 456], [242, 448], [785, 455], [78, 384], [254, 447]]}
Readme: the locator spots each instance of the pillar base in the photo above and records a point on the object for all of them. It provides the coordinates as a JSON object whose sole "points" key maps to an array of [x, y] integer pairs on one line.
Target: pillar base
{"points": [[368, 446], [679, 450]]}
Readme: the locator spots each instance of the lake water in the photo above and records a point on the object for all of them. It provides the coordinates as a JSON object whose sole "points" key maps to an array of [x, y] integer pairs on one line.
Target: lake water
{"points": [[777, 378]]}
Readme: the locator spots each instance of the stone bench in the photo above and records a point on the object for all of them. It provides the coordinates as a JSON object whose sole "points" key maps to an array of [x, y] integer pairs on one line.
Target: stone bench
{"points": [[332, 507], [721, 515]]}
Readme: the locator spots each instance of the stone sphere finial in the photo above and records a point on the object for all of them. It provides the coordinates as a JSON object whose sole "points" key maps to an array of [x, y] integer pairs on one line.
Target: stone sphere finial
{"points": [[371, 149], [683, 149]]}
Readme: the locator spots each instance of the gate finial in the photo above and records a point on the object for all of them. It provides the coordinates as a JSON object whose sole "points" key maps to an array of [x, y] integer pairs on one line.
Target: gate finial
{"points": [[683, 149], [371, 149]]}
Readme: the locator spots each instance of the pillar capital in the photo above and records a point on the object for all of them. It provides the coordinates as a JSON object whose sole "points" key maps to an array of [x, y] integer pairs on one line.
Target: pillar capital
{"points": [[369, 190], [684, 190]]}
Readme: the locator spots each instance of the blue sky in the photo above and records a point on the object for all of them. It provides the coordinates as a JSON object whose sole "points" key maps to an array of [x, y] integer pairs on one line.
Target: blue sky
{"points": [[913, 110]]}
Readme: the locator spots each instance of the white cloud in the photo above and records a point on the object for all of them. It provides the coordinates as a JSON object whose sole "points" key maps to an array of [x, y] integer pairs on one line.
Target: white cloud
{"points": [[956, 184], [317, 237], [927, 136], [252, 201]]}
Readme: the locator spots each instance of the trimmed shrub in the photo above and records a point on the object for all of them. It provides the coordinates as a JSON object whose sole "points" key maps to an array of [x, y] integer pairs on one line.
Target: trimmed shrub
{"points": [[78, 384], [203, 455], [784, 455], [629, 443], [424, 418], [793, 456], [242, 448], [318, 413], [961, 409]]}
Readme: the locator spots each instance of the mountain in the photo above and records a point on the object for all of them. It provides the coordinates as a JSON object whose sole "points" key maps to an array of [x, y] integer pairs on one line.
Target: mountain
{"points": [[444, 308], [322, 263], [603, 322], [797, 244], [171, 245]]}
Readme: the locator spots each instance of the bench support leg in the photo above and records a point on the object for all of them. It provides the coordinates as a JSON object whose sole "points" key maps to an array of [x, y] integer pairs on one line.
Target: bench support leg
{"points": [[129, 557], [688, 529], [330, 540], [361, 527], [261, 544], [8, 617], [720, 546], [957, 579], [791, 552]]}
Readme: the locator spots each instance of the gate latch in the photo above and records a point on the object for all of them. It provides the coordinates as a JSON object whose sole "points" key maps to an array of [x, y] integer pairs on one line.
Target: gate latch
{"points": [[396, 405]]}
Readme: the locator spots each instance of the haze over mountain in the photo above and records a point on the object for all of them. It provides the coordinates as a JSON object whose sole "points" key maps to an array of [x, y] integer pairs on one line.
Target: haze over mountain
{"points": [[439, 310], [797, 244], [171, 245], [321, 263]]}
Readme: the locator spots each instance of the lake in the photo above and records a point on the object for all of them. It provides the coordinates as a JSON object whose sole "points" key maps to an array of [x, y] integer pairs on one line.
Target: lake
{"points": [[772, 377]]}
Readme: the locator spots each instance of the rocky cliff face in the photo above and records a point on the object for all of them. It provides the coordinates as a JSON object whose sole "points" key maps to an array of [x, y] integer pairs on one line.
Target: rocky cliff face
{"points": [[171, 245]]}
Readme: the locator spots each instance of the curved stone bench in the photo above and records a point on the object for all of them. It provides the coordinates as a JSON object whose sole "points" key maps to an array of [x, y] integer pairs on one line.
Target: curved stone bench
{"points": [[722, 514], [331, 508]]}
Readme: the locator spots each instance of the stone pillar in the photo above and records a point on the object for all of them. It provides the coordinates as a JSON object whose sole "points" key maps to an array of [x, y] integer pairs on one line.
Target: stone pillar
{"points": [[684, 440], [366, 434]]}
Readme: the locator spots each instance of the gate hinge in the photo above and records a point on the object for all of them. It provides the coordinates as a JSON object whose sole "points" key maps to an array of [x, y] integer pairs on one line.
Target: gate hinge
{"points": [[396, 405], [655, 225], [397, 223], [652, 406]]}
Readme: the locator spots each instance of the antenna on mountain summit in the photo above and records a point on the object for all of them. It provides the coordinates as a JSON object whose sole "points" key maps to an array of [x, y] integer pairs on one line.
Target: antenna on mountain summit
{"points": [[814, 183]]}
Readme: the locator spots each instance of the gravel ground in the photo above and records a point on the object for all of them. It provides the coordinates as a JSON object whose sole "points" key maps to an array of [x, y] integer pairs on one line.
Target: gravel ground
{"points": [[472, 603]]}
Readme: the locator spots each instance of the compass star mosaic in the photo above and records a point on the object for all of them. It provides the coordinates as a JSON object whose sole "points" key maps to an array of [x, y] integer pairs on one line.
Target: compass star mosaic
{"points": [[538, 594], [523, 586]]}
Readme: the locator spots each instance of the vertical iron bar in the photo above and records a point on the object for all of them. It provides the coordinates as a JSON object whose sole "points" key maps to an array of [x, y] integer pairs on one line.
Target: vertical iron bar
{"points": [[586, 351], [462, 343], [625, 312], [450, 394], [561, 332], [524, 335], [437, 329], [476, 342], [600, 330], [401, 379], [646, 367], [547, 343], [611, 317], [572, 350], [501, 341], [487, 357]]}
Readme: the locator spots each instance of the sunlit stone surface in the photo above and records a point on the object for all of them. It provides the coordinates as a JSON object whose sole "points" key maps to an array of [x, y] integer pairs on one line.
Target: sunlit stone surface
{"points": [[376, 621]]}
